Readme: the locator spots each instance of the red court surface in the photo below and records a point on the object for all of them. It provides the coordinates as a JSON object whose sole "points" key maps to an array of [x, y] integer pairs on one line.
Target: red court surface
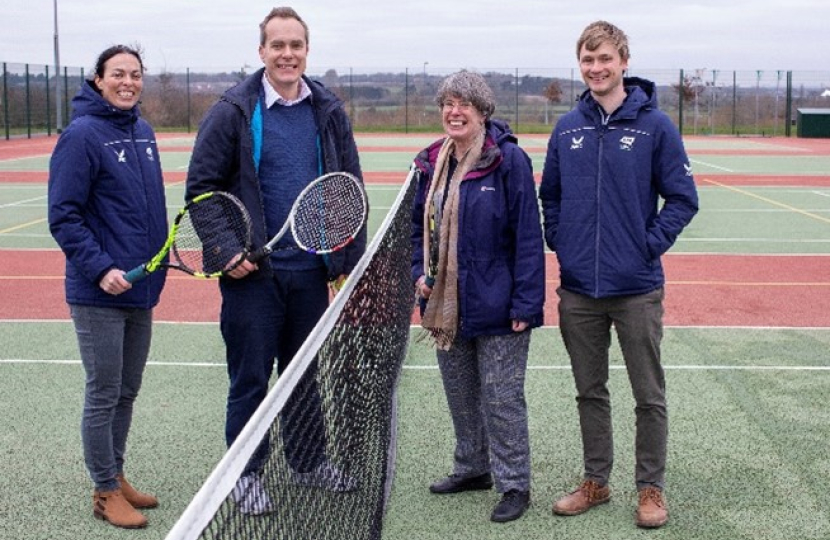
{"points": [[701, 290]]}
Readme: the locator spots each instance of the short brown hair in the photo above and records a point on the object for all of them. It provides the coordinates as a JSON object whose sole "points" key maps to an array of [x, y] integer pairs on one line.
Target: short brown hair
{"points": [[282, 13], [599, 32]]}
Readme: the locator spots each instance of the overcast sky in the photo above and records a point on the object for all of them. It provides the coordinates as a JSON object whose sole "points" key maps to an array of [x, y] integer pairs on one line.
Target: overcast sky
{"points": [[216, 35]]}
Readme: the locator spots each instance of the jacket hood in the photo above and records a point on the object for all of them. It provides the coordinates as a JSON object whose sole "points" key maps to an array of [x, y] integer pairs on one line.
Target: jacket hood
{"points": [[88, 102], [641, 94]]}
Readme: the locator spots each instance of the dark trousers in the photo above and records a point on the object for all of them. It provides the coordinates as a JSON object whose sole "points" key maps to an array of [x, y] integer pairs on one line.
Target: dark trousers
{"points": [[114, 344], [585, 324], [263, 320]]}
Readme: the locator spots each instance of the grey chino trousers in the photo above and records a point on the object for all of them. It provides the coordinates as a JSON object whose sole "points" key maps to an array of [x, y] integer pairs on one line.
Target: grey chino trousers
{"points": [[585, 324], [484, 380]]}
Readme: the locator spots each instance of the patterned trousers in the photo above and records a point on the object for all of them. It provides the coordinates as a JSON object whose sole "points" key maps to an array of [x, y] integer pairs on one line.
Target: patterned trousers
{"points": [[484, 383]]}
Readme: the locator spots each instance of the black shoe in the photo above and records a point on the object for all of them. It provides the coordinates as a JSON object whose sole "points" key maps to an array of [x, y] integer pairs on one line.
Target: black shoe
{"points": [[456, 484], [511, 506]]}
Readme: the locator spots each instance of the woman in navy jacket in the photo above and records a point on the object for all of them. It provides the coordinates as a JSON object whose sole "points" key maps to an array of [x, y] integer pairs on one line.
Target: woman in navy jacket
{"points": [[478, 265], [107, 213]]}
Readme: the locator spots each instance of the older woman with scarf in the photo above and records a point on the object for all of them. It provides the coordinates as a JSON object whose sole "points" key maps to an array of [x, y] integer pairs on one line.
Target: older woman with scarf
{"points": [[478, 267]]}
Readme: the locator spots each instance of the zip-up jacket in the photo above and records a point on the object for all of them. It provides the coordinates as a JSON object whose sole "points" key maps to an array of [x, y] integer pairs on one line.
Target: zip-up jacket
{"points": [[106, 201], [603, 179], [501, 263], [227, 150]]}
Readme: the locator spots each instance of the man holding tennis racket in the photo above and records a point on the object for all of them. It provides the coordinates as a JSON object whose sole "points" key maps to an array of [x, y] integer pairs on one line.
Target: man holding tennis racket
{"points": [[610, 164], [264, 141]]}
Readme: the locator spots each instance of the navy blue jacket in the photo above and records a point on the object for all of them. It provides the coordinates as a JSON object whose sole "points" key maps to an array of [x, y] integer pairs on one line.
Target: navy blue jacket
{"points": [[603, 178], [501, 261], [106, 201], [226, 157]]}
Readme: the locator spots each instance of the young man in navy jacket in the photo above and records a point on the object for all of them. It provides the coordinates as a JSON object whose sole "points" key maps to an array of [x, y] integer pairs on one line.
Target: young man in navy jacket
{"points": [[609, 163]]}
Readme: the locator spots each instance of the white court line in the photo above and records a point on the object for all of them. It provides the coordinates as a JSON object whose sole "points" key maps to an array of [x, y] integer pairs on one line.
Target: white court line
{"points": [[23, 361], [25, 201], [773, 240], [712, 165]]}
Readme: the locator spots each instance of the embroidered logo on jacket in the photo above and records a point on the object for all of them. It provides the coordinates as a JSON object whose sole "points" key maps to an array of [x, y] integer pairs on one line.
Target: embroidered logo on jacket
{"points": [[150, 154], [121, 155], [626, 143], [576, 144], [688, 168]]}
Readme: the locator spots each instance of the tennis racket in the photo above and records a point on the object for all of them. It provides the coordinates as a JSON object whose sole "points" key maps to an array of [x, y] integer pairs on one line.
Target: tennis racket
{"points": [[326, 216], [206, 235]]}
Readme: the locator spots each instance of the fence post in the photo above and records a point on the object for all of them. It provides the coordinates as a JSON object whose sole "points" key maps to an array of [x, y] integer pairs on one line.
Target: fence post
{"points": [[28, 106], [516, 127], [406, 101], [789, 105], [187, 93], [682, 89], [6, 100], [48, 110], [65, 110], [734, 102]]}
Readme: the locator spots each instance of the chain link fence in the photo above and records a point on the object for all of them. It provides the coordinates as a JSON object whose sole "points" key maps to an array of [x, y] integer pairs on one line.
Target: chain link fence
{"points": [[699, 101]]}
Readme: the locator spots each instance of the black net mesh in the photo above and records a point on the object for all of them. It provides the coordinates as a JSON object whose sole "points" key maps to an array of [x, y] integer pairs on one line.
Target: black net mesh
{"points": [[317, 458]]}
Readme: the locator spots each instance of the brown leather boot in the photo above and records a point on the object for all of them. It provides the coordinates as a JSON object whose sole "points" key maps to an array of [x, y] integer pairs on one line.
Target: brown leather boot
{"points": [[113, 507], [582, 499], [136, 498], [651, 510]]}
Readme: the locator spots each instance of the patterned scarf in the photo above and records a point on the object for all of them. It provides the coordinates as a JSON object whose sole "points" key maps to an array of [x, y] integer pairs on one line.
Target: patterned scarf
{"points": [[440, 318]]}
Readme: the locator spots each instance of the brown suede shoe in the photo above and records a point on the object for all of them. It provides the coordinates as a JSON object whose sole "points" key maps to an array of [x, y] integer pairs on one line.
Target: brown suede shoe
{"points": [[136, 498], [113, 507], [582, 499], [652, 511]]}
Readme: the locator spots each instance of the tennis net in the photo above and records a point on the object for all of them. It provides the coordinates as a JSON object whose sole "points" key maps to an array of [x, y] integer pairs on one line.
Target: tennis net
{"points": [[317, 458]]}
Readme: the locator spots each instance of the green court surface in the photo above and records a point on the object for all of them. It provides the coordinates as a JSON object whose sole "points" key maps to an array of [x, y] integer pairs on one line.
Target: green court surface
{"points": [[749, 422]]}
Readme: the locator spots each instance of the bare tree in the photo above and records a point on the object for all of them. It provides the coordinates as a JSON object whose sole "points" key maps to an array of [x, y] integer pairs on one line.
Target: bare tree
{"points": [[553, 94]]}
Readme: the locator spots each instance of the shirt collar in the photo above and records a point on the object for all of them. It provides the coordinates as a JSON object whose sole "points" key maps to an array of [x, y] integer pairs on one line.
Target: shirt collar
{"points": [[272, 96]]}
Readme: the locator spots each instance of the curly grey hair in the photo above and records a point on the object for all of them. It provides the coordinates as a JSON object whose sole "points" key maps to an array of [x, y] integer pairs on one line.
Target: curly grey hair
{"points": [[470, 87]]}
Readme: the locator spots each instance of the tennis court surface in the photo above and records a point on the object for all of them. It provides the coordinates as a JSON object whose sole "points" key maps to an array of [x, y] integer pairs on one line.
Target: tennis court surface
{"points": [[747, 355]]}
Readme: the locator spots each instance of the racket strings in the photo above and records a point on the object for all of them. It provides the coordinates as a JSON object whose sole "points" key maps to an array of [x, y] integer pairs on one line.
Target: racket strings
{"points": [[210, 234], [329, 215]]}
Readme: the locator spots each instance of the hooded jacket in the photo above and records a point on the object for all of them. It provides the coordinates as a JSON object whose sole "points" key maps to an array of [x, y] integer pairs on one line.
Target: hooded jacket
{"points": [[106, 201], [501, 264], [227, 150], [603, 178]]}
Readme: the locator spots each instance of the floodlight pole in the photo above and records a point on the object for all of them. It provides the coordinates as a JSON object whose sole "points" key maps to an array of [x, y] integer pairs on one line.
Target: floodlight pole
{"points": [[58, 78]]}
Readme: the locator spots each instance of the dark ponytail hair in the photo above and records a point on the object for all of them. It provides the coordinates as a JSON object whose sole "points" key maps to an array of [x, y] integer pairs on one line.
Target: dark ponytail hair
{"points": [[104, 57]]}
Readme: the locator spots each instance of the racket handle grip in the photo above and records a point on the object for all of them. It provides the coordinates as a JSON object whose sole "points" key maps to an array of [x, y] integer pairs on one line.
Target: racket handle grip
{"points": [[258, 255], [136, 274]]}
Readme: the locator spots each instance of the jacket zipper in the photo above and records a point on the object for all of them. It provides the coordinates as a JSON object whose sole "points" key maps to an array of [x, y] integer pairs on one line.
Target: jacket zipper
{"points": [[604, 128]]}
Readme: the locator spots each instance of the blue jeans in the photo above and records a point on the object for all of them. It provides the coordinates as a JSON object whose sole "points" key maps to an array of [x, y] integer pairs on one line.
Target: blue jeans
{"points": [[585, 324], [114, 344], [484, 380], [263, 320]]}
